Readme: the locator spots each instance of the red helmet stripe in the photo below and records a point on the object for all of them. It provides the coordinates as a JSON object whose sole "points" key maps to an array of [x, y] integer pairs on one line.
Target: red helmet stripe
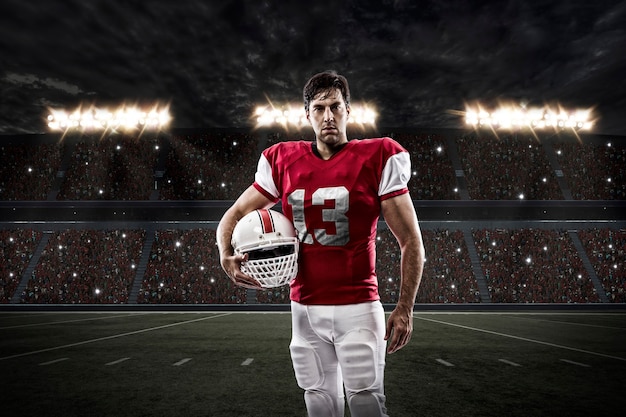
{"points": [[266, 220]]}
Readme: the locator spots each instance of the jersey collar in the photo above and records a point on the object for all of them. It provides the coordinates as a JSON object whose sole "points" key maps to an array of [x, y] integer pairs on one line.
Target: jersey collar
{"points": [[316, 152]]}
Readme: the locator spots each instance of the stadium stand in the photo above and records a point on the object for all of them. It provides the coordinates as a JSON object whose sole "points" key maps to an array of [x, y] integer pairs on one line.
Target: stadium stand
{"points": [[433, 175], [533, 266], [27, 171], [209, 166], [111, 168], [594, 171], [16, 249], [448, 276], [219, 165], [85, 266], [184, 268], [52, 261], [606, 249], [507, 168]]}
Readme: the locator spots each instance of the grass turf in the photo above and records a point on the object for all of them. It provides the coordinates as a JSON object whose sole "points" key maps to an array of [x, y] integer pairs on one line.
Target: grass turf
{"points": [[74, 364]]}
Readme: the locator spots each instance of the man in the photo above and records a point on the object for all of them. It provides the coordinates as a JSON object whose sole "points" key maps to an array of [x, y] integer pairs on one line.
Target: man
{"points": [[334, 190]]}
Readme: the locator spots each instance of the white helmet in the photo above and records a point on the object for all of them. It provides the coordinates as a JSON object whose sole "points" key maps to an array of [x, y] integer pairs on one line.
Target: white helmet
{"points": [[270, 240]]}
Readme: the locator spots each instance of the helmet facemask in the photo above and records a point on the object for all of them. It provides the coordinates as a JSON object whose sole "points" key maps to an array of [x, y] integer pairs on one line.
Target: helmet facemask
{"points": [[272, 250]]}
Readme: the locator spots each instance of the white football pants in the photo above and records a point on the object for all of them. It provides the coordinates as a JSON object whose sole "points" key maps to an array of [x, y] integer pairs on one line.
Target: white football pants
{"points": [[337, 347]]}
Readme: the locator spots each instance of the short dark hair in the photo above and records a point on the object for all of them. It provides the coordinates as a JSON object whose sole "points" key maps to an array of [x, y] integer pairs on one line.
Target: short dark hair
{"points": [[325, 82]]}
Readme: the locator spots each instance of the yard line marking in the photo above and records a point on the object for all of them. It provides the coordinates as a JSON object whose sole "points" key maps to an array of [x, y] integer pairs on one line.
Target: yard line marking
{"points": [[247, 362], [115, 336], [15, 315], [68, 321], [584, 365], [54, 361], [182, 362], [116, 362], [522, 338], [446, 363], [509, 362], [570, 323]]}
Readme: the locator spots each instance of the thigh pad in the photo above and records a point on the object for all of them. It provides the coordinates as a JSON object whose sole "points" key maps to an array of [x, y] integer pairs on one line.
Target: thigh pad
{"points": [[306, 364], [358, 356]]}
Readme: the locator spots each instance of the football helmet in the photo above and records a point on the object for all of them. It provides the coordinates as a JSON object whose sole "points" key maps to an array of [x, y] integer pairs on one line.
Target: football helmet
{"points": [[271, 242]]}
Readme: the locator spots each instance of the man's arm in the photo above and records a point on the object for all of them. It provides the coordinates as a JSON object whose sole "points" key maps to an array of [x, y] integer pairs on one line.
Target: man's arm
{"points": [[251, 199], [400, 216]]}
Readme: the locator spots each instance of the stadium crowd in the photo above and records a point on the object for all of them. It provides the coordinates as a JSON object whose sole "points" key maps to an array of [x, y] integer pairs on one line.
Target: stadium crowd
{"points": [[16, 249], [111, 168], [606, 249], [433, 176], [217, 166], [86, 267], [95, 266], [533, 266], [184, 268], [509, 168], [520, 266], [594, 172], [27, 171], [447, 277], [220, 165]]}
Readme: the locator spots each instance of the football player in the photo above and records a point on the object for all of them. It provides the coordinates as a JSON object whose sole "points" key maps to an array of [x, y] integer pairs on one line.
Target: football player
{"points": [[333, 190]]}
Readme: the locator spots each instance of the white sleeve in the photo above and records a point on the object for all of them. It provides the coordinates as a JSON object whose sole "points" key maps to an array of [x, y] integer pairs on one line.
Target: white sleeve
{"points": [[396, 173], [264, 178]]}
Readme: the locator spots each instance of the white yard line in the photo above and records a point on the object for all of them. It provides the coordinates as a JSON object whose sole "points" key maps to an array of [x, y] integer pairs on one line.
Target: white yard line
{"points": [[247, 362], [599, 326], [522, 338], [182, 362], [445, 363], [68, 321], [509, 362], [52, 362], [116, 362], [584, 365], [115, 336]]}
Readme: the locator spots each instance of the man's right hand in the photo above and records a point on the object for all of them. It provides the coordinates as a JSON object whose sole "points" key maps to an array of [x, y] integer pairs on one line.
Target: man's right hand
{"points": [[232, 267]]}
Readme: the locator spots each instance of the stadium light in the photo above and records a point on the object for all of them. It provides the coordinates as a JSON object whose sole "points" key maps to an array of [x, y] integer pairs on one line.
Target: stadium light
{"points": [[99, 119], [512, 117], [294, 115]]}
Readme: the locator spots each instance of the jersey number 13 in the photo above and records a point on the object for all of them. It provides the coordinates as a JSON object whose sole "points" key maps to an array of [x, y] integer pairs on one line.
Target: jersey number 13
{"points": [[336, 215]]}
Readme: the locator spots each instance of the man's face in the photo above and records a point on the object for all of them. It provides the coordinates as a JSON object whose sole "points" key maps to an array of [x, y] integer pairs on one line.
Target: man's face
{"points": [[328, 116]]}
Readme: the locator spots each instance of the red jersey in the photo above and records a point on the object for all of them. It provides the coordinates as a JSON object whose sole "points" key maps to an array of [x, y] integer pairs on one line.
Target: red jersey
{"points": [[334, 205]]}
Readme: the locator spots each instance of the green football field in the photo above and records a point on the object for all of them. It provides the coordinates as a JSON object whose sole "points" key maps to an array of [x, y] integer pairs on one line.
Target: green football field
{"points": [[237, 364]]}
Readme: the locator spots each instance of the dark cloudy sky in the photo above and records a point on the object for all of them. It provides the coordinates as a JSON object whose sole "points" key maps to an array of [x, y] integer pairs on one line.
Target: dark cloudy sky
{"points": [[215, 60]]}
